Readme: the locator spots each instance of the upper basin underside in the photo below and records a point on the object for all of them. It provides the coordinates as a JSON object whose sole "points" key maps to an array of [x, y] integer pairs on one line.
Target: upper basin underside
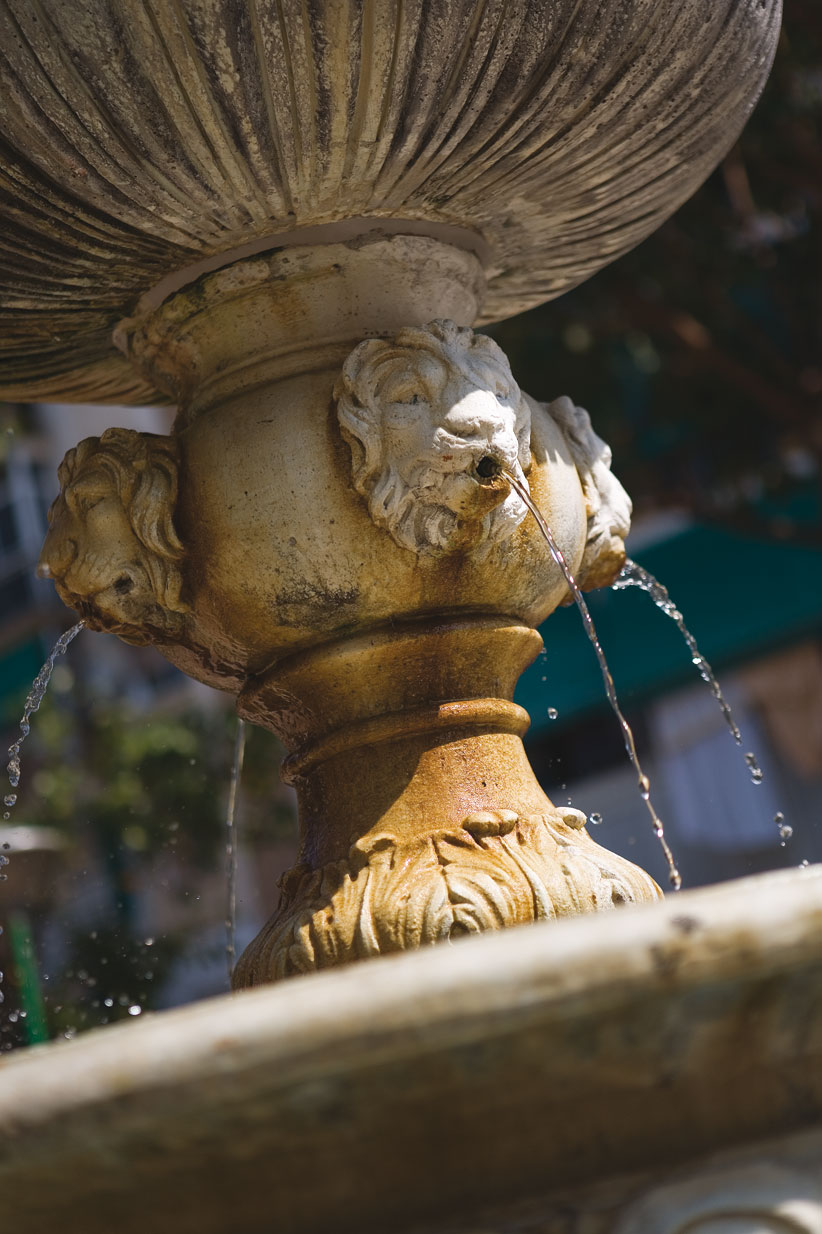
{"points": [[141, 138]]}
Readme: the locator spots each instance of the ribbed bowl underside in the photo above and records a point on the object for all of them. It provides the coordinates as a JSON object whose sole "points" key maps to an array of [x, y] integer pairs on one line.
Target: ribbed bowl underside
{"points": [[141, 137]]}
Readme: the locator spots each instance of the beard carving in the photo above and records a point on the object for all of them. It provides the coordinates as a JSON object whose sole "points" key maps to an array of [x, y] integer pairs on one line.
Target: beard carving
{"points": [[420, 411]]}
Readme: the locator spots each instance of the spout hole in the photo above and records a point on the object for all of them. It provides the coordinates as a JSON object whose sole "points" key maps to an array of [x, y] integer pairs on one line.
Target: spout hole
{"points": [[488, 468], [124, 585]]}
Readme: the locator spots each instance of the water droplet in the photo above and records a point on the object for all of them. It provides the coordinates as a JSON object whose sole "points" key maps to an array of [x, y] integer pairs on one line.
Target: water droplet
{"points": [[149, 942], [754, 768], [10, 799], [135, 1009], [108, 1002], [6, 816], [552, 713], [6, 844], [676, 880], [785, 829], [803, 865], [596, 819]]}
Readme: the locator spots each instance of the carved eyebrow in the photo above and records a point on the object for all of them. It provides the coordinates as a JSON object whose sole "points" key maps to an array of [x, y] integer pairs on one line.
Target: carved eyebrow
{"points": [[89, 486], [411, 369], [492, 375]]}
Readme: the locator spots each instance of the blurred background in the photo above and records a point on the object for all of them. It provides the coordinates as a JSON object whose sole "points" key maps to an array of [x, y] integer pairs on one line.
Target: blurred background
{"points": [[699, 356]]}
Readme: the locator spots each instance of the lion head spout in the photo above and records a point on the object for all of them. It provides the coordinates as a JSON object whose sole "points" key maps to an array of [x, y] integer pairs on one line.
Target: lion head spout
{"points": [[420, 411], [111, 548], [424, 409]]}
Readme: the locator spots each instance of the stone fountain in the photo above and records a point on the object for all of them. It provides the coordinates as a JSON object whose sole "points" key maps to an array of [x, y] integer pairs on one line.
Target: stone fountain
{"points": [[287, 219]]}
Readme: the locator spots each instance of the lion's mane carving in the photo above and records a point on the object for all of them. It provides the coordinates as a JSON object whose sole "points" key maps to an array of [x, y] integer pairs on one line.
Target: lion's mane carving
{"points": [[390, 895], [607, 505], [419, 411], [111, 548]]}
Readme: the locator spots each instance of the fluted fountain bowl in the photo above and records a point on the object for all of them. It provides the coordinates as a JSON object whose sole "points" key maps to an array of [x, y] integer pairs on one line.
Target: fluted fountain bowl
{"points": [[145, 144]]}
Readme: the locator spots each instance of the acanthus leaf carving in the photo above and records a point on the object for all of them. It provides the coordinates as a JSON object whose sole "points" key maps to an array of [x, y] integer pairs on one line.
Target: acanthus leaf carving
{"points": [[389, 895]]}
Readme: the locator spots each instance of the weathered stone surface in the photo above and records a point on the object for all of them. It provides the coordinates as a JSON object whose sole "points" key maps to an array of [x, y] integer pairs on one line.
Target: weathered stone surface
{"points": [[546, 1080], [141, 140]]}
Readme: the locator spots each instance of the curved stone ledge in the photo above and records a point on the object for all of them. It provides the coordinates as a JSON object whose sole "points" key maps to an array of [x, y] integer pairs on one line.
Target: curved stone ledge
{"points": [[423, 1090]]}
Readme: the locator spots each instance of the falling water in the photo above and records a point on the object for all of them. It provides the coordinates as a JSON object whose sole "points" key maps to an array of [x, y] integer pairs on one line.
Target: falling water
{"points": [[627, 733], [231, 847], [32, 704], [633, 575], [33, 700]]}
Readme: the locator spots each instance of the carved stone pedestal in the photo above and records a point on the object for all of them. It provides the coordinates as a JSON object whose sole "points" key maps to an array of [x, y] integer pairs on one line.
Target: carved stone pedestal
{"points": [[421, 818], [318, 537]]}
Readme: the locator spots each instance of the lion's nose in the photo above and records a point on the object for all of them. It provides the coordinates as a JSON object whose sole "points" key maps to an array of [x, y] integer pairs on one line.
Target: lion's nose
{"points": [[479, 418]]}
